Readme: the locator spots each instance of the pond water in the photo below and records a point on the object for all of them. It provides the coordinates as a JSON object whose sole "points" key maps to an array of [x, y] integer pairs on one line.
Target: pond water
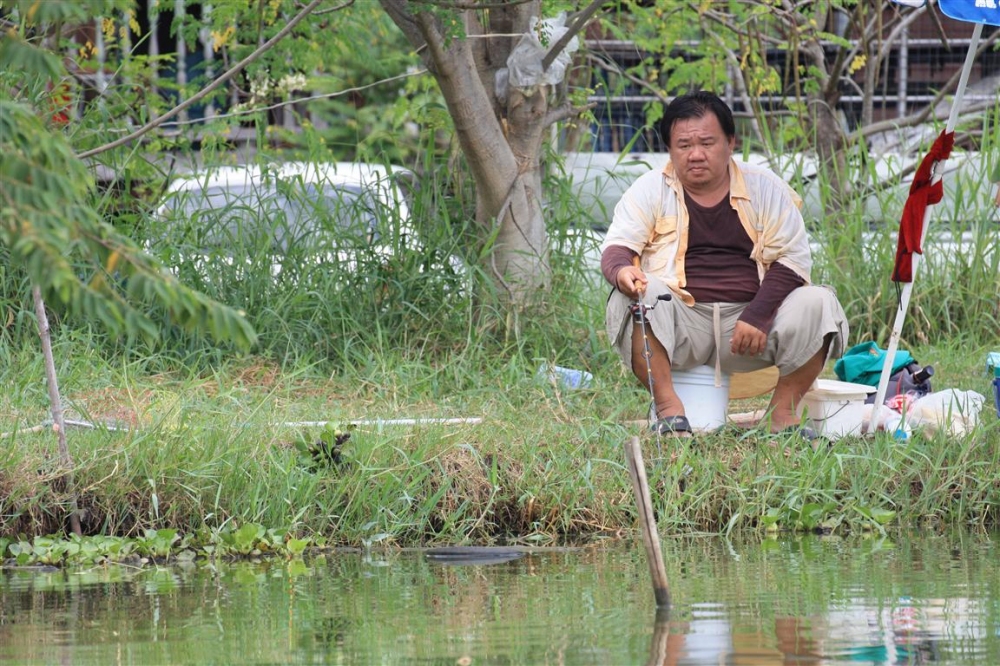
{"points": [[783, 600]]}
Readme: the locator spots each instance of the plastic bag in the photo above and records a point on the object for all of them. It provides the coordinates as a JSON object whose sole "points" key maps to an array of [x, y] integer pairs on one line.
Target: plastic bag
{"points": [[525, 62], [887, 419], [954, 410]]}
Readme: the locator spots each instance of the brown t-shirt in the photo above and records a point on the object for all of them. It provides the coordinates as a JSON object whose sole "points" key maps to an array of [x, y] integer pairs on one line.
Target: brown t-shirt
{"points": [[718, 267], [717, 264]]}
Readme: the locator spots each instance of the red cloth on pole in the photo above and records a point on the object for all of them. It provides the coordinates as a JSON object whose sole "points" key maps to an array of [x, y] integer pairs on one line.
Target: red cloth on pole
{"points": [[922, 194]]}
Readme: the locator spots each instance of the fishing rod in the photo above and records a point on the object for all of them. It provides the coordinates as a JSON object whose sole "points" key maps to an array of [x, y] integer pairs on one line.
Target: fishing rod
{"points": [[639, 310]]}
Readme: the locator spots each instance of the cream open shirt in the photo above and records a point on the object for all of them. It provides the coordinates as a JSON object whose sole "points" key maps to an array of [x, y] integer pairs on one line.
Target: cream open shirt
{"points": [[652, 220]]}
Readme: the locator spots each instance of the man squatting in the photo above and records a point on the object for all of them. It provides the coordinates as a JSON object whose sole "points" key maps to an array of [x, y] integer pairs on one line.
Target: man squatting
{"points": [[727, 240]]}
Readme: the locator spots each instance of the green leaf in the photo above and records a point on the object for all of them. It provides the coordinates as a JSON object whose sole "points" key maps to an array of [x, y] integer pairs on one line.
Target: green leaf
{"points": [[297, 546], [246, 537], [813, 513], [16, 54], [78, 260], [882, 516]]}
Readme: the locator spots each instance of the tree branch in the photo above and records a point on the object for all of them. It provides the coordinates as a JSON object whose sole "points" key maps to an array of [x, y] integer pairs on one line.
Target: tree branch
{"points": [[564, 112], [642, 83], [329, 10], [889, 42], [929, 110], [721, 19], [436, 50], [917, 119], [580, 20], [741, 86], [233, 71], [465, 6]]}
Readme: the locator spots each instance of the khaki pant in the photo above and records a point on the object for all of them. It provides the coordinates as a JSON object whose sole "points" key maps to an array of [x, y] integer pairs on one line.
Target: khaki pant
{"points": [[692, 337]]}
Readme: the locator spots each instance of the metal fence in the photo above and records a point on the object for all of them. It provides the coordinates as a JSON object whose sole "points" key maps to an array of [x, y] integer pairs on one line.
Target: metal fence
{"points": [[918, 65], [921, 61]]}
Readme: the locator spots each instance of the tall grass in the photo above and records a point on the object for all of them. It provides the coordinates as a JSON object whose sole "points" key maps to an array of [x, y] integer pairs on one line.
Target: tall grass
{"points": [[957, 281], [200, 440], [544, 466], [310, 305]]}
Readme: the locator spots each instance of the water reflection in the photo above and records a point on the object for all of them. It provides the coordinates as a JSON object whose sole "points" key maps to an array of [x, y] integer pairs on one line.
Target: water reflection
{"points": [[856, 635], [961, 626], [776, 601]]}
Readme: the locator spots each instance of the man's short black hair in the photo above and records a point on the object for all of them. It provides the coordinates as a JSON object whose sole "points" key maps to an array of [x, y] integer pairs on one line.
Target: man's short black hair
{"points": [[696, 105]]}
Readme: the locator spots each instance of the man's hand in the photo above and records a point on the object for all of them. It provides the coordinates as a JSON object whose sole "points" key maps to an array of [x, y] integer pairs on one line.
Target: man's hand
{"points": [[747, 340], [631, 281]]}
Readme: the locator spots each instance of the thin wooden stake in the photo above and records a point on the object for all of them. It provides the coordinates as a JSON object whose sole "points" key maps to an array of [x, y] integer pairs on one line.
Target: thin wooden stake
{"points": [[650, 537], [55, 400]]}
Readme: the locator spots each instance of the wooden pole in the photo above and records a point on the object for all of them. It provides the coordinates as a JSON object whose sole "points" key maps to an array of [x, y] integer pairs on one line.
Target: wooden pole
{"points": [[55, 402], [650, 537]]}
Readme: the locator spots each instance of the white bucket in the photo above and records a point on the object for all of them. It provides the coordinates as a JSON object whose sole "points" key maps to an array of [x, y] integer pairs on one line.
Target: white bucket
{"points": [[705, 404], [835, 409]]}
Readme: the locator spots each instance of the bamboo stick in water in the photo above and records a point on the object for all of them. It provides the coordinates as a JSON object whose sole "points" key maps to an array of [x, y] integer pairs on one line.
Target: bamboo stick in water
{"points": [[650, 537]]}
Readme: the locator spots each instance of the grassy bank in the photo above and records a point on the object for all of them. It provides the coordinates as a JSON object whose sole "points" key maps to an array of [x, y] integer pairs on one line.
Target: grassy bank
{"points": [[206, 454], [196, 444]]}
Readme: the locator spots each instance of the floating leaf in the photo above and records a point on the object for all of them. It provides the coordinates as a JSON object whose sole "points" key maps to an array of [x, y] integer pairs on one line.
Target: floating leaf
{"points": [[297, 546]]}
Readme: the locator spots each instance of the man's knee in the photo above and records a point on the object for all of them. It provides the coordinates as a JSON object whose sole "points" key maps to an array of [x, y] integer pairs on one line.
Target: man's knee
{"points": [[812, 302]]}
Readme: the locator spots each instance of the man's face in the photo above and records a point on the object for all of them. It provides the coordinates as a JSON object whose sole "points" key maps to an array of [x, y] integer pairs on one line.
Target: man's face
{"points": [[700, 152]]}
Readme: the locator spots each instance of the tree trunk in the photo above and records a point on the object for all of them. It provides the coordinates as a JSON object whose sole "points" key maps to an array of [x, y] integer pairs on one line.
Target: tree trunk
{"points": [[501, 138], [831, 150], [827, 131]]}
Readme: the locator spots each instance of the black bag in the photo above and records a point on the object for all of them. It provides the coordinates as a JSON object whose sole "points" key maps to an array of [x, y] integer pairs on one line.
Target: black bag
{"points": [[913, 380]]}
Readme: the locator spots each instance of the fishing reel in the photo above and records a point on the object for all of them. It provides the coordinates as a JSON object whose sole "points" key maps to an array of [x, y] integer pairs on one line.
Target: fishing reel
{"points": [[639, 309]]}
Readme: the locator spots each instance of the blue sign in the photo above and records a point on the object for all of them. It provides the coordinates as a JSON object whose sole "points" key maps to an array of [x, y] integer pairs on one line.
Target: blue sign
{"points": [[974, 11]]}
